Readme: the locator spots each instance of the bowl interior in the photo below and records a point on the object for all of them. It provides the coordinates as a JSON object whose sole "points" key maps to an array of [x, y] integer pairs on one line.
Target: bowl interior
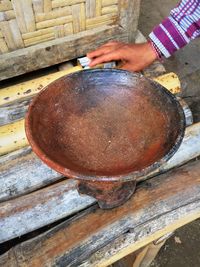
{"points": [[103, 123]]}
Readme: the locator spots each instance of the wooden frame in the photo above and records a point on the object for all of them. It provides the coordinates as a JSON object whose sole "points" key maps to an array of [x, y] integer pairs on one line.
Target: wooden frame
{"points": [[61, 49]]}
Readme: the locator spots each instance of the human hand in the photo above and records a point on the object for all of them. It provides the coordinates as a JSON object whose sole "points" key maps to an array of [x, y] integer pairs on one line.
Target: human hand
{"points": [[133, 57]]}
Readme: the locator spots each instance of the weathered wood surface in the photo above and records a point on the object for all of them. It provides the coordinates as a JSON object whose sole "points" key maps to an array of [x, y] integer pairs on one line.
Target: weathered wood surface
{"points": [[57, 51], [32, 211], [22, 171], [97, 237], [13, 112], [57, 194]]}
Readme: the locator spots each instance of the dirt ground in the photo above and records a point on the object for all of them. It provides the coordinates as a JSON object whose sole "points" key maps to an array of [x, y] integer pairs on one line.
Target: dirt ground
{"points": [[183, 248]]}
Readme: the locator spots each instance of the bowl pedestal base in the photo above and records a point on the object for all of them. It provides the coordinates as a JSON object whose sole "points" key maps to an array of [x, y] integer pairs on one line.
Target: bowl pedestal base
{"points": [[108, 194]]}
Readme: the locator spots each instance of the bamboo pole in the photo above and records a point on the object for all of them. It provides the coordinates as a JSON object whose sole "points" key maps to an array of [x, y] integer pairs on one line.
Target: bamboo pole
{"points": [[12, 137], [31, 87]]}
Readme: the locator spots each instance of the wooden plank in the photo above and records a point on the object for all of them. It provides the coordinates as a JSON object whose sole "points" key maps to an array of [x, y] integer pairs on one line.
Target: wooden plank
{"points": [[17, 176], [57, 51], [150, 255], [22, 172], [143, 235], [129, 13], [13, 112], [49, 205], [115, 233]]}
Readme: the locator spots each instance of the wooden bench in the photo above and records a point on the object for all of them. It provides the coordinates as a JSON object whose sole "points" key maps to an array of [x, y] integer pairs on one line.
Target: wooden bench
{"points": [[45, 222]]}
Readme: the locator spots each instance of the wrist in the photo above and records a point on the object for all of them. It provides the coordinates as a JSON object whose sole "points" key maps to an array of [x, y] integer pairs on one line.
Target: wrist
{"points": [[155, 50]]}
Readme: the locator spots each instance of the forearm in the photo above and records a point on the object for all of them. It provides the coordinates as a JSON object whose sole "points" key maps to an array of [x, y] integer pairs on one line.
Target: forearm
{"points": [[179, 28]]}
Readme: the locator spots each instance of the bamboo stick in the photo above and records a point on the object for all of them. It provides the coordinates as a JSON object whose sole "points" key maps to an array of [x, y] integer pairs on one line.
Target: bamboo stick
{"points": [[6, 31], [59, 31], [98, 7], [109, 9], [3, 46], [29, 17], [47, 6], [39, 39], [5, 6], [31, 87], [170, 81], [12, 137], [101, 19], [29, 35], [53, 22], [16, 35], [78, 20], [111, 19], [90, 8], [38, 6], [10, 14], [58, 13], [61, 3], [109, 2], [68, 29], [17, 5]]}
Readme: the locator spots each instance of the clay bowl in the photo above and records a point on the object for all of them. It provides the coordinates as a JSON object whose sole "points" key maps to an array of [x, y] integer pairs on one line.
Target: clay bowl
{"points": [[104, 125]]}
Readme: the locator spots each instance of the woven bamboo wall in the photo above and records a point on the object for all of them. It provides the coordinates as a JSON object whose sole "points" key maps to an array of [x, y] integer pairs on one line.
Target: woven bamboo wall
{"points": [[25, 23]]}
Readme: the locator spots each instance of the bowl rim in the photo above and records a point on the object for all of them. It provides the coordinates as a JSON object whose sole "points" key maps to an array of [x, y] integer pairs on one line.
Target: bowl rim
{"points": [[134, 175]]}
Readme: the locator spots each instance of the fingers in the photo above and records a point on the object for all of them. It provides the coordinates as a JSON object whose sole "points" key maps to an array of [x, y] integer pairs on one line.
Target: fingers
{"points": [[105, 58], [129, 67], [104, 49], [99, 52]]}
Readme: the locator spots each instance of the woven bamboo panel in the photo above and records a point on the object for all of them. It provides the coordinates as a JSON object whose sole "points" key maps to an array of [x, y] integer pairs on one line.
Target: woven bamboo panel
{"points": [[25, 23]]}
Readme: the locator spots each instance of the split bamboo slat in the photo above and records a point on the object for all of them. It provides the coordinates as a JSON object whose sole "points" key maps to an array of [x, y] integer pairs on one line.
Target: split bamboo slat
{"points": [[31, 22]]}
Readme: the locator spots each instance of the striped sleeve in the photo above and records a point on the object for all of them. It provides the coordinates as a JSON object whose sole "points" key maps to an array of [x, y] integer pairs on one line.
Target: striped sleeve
{"points": [[182, 25]]}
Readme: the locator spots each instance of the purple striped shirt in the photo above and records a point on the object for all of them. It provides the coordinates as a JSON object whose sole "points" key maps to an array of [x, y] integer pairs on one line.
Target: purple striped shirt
{"points": [[182, 25]]}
